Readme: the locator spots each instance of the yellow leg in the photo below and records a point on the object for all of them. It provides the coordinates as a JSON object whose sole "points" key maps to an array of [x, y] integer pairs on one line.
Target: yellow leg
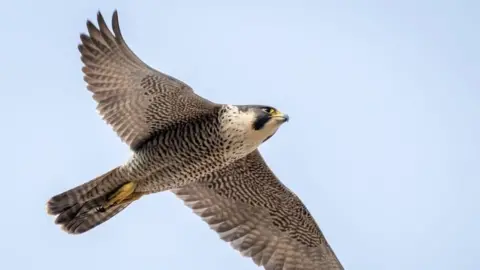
{"points": [[121, 194], [133, 197]]}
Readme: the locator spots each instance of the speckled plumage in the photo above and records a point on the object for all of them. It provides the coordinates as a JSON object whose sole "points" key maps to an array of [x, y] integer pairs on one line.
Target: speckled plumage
{"points": [[249, 207], [205, 152]]}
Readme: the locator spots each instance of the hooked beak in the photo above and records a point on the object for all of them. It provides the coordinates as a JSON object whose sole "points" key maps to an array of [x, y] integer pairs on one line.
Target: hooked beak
{"points": [[281, 117]]}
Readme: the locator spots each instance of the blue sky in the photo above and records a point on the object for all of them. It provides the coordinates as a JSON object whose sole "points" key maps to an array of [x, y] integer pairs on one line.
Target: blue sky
{"points": [[383, 143]]}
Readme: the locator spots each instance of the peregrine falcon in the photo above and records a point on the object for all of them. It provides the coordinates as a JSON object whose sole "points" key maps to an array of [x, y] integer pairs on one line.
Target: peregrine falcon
{"points": [[204, 152]]}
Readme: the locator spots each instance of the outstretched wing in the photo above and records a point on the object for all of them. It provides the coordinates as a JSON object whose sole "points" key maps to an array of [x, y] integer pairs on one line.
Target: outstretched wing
{"points": [[250, 208], [135, 99]]}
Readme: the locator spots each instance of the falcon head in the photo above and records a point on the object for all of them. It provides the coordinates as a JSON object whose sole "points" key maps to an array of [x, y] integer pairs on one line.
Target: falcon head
{"points": [[263, 121], [267, 118]]}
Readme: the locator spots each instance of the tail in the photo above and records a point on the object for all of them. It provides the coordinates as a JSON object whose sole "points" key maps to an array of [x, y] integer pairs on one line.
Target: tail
{"points": [[86, 206]]}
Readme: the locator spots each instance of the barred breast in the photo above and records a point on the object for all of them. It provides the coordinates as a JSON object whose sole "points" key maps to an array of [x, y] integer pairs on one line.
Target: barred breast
{"points": [[186, 152]]}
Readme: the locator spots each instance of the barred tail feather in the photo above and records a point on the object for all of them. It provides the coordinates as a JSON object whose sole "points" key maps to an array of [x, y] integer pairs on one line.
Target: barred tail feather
{"points": [[95, 188], [81, 218], [80, 209]]}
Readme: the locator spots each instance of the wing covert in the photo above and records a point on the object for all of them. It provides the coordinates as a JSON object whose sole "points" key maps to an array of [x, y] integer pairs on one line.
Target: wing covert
{"points": [[135, 99], [250, 208]]}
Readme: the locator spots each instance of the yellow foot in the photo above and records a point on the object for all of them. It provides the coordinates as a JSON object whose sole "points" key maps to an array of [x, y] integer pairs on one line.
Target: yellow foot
{"points": [[122, 194]]}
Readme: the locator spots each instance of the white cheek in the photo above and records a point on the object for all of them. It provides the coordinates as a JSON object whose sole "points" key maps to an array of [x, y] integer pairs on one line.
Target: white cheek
{"points": [[237, 122], [245, 120]]}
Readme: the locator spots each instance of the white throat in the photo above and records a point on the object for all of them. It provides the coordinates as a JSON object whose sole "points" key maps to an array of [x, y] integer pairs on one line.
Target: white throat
{"points": [[237, 127]]}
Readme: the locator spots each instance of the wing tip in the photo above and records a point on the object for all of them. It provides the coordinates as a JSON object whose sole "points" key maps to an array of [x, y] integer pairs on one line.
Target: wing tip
{"points": [[90, 25], [100, 19], [102, 23], [116, 25], [115, 14]]}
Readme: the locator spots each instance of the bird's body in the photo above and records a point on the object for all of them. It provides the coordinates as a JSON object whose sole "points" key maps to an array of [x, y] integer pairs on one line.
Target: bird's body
{"points": [[207, 144], [204, 152], [179, 155]]}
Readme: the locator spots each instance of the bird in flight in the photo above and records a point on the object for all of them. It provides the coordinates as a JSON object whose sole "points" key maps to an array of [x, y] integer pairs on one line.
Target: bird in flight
{"points": [[205, 153]]}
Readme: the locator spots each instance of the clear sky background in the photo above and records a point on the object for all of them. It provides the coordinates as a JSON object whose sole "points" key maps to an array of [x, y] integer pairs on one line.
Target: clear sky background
{"points": [[383, 143]]}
